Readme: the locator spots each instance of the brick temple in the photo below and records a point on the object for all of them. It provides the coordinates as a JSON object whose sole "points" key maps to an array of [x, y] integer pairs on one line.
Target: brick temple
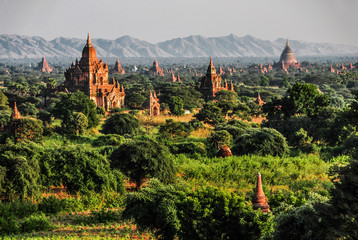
{"points": [[43, 66], [90, 76], [287, 58], [211, 83]]}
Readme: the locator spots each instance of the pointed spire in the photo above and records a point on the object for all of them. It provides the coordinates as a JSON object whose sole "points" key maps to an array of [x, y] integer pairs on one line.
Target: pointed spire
{"points": [[15, 113], [154, 94], [88, 40], [287, 43], [259, 199], [211, 60]]}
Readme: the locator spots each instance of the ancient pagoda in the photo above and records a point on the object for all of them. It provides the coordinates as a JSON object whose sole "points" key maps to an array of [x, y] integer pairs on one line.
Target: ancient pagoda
{"points": [[287, 58], [156, 70], [152, 103], [211, 83], [118, 68], [43, 66], [259, 200], [90, 76]]}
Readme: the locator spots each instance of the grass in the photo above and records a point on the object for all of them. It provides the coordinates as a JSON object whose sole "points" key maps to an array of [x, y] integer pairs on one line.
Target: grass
{"points": [[65, 227], [239, 172]]}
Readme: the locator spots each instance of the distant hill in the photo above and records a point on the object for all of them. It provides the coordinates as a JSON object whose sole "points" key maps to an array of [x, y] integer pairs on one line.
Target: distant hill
{"points": [[19, 47]]}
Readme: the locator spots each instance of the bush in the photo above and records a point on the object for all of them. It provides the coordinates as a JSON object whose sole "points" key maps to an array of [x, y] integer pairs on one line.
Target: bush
{"points": [[79, 170], [20, 170], [174, 130], [27, 129], [188, 148], [203, 213], [220, 138], [121, 124], [51, 205], [108, 139], [75, 123], [34, 223], [265, 141]]}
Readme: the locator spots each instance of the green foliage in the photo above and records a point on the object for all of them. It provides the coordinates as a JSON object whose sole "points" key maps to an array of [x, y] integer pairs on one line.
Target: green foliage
{"points": [[142, 159], [108, 139], [102, 216], [101, 110], [191, 98], [78, 169], [174, 130], [344, 201], [220, 138], [306, 222], [188, 148], [204, 213], [76, 123], [294, 173], [27, 129], [121, 124], [210, 114], [22, 171], [235, 127], [28, 108], [225, 95], [51, 205], [18, 208], [265, 141], [134, 100], [301, 99], [37, 222], [176, 106], [76, 102]]}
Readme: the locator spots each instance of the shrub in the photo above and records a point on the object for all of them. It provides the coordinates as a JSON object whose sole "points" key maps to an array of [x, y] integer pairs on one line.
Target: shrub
{"points": [[265, 141], [108, 139], [75, 123], [220, 138], [203, 213], [188, 148], [174, 130], [121, 124], [79, 169], [37, 222], [27, 129], [51, 205], [21, 170], [210, 114]]}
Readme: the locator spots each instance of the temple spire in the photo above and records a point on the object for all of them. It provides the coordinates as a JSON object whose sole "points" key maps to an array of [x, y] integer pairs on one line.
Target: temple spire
{"points": [[15, 113], [259, 199], [287, 43], [88, 40]]}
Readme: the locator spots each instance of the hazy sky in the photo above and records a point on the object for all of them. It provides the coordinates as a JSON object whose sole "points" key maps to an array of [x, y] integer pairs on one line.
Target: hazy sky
{"points": [[334, 21]]}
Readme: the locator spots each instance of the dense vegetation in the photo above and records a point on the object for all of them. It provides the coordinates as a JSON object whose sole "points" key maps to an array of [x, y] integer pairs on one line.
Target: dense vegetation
{"points": [[67, 164]]}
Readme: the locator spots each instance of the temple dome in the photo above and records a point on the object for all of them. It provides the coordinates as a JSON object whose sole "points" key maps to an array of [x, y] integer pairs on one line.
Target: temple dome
{"points": [[89, 51], [287, 55]]}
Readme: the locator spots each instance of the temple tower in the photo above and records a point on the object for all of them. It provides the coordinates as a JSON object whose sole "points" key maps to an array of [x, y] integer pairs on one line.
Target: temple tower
{"points": [[90, 76], [287, 58], [259, 199]]}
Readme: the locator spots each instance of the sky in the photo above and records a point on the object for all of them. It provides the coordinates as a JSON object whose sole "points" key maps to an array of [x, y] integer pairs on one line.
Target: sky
{"points": [[331, 21]]}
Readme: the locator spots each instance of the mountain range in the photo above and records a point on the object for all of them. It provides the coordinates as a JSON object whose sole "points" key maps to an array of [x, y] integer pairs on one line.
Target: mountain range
{"points": [[20, 47]]}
